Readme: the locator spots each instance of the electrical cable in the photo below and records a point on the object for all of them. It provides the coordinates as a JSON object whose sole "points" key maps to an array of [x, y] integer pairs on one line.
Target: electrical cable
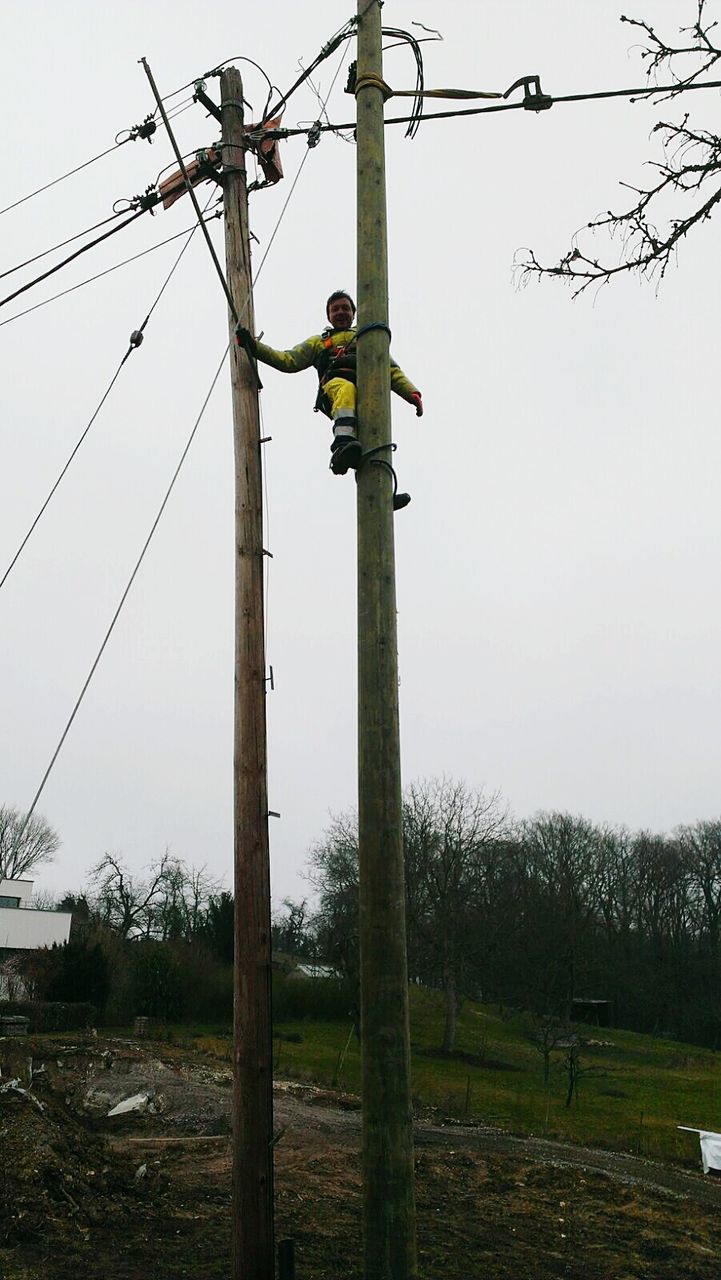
{"points": [[343, 33], [71, 258], [123, 597], [239, 57], [293, 186], [191, 192], [11, 270], [133, 135], [255, 279], [644, 92], [69, 174], [90, 280], [417, 109], [158, 517], [136, 339], [46, 503]]}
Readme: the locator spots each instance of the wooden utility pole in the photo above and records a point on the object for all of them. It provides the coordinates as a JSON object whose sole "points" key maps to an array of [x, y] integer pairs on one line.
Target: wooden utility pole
{"points": [[252, 1031], [388, 1187]]}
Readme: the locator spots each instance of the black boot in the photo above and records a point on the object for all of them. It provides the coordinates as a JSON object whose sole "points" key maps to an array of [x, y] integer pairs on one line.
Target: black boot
{"points": [[345, 454]]}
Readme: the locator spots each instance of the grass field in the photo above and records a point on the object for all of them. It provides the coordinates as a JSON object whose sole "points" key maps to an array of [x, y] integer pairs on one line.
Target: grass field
{"points": [[633, 1091]]}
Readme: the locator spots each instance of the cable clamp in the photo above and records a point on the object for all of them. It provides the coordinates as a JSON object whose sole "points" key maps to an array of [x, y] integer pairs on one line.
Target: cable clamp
{"points": [[534, 99], [371, 80], [136, 337], [144, 130], [314, 134], [148, 200]]}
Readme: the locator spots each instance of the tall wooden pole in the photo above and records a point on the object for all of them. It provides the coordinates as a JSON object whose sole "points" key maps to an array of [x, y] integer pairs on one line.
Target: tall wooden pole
{"points": [[252, 1044], [388, 1188]]}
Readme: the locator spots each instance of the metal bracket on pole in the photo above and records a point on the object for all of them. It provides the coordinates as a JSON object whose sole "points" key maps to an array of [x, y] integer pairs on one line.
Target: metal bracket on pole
{"points": [[201, 96]]}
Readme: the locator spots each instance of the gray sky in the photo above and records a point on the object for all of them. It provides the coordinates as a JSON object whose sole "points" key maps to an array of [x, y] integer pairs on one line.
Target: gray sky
{"points": [[558, 617]]}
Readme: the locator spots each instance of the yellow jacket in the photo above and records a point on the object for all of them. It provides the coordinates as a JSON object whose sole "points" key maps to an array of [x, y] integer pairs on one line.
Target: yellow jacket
{"points": [[322, 350]]}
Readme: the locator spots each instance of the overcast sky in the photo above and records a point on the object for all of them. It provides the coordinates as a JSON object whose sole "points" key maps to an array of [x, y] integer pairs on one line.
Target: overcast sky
{"points": [[557, 570]]}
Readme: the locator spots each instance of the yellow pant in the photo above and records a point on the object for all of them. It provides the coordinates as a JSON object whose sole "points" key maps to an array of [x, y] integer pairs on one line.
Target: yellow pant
{"points": [[341, 400]]}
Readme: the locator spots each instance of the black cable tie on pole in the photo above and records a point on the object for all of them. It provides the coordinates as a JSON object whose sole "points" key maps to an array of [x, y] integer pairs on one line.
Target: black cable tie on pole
{"points": [[367, 328]]}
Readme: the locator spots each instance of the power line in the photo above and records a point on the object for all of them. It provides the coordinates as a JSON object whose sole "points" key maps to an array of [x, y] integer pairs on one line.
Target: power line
{"points": [[90, 280], [46, 503], [191, 192], [123, 597], [344, 33], [144, 130], [215, 71], [11, 270], [69, 174], [136, 339], [526, 104], [71, 258], [158, 517]]}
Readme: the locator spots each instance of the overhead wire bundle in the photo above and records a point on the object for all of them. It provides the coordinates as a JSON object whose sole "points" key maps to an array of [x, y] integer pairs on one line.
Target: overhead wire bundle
{"points": [[135, 341]]}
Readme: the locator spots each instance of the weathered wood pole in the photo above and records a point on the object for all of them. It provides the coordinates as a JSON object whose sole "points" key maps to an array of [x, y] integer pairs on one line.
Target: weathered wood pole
{"points": [[388, 1187], [253, 1246]]}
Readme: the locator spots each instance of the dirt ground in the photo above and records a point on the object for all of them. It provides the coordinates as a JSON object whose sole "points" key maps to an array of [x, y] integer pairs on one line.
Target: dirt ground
{"points": [[149, 1194]]}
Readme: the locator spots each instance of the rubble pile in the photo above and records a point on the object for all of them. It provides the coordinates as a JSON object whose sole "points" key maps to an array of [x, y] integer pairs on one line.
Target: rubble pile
{"points": [[58, 1177]]}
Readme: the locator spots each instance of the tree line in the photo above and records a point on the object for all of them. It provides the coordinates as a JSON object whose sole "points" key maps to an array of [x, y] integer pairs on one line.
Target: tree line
{"points": [[532, 915], [537, 914]]}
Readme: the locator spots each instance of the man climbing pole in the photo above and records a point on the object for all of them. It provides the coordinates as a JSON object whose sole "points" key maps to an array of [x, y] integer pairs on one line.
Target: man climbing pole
{"points": [[333, 354]]}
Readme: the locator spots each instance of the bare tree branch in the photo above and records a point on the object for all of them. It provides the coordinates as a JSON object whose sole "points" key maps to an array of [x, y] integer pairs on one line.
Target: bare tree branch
{"points": [[686, 193], [24, 846]]}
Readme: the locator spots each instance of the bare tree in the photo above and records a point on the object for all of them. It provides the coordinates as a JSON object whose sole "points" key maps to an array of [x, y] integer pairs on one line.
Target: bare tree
{"points": [[686, 185], [451, 834], [24, 844], [181, 905], [547, 1033], [170, 902], [334, 873], [563, 857], [126, 903], [449, 831]]}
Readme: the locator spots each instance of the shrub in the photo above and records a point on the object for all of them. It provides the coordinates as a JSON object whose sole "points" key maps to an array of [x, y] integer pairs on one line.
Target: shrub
{"points": [[156, 988], [53, 1015], [313, 999]]}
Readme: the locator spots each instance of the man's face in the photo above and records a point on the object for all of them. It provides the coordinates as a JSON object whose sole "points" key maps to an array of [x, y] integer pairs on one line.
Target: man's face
{"points": [[340, 313]]}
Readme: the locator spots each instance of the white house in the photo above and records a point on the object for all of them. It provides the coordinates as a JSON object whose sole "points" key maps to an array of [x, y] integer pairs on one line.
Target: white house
{"points": [[23, 927]]}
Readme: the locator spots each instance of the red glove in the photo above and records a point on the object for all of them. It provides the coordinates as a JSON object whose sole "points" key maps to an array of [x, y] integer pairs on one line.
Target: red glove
{"points": [[417, 400]]}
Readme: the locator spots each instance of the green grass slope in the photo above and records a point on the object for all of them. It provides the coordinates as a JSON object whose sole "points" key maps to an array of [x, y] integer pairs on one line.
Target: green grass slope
{"points": [[633, 1089]]}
